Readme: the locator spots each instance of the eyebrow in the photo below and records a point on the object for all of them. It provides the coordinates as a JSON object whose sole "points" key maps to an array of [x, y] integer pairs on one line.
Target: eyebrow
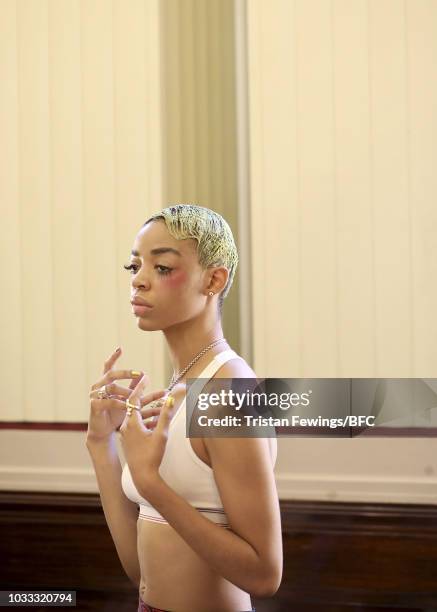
{"points": [[159, 251]]}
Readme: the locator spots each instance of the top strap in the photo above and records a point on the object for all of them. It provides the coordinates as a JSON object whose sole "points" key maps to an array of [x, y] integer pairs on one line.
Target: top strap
{"points": [[197, 385], [217, 362]]}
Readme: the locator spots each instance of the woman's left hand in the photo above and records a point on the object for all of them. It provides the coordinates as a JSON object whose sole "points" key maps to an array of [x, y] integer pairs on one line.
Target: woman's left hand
{"points": [[144, 448]]}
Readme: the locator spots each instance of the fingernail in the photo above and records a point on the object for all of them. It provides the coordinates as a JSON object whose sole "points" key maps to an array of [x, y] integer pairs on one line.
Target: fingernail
{"points": [[118, 350], [135, 373]]}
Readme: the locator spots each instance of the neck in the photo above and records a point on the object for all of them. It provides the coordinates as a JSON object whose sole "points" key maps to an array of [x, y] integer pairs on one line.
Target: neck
{"points": [[187, 339]]}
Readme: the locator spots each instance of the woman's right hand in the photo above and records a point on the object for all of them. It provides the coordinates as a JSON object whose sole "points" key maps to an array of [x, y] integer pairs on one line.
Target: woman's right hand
{"points": [[107, 414]]}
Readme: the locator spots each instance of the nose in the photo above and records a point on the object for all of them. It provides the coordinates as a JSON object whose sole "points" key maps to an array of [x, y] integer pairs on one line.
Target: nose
{"points": [[140, 279]]}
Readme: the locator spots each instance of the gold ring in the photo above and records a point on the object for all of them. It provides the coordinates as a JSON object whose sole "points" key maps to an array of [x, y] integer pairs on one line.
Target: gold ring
{"points": [[102, 393], [131, 406]]}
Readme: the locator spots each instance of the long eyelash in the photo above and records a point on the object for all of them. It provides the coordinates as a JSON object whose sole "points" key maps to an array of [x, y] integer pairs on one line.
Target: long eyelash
{"points": [[130, 267], [163, 272]]}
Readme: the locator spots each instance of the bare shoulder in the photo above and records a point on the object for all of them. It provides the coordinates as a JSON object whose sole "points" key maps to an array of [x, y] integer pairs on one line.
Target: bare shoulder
{"points": [[235, 368], [239, 368]]}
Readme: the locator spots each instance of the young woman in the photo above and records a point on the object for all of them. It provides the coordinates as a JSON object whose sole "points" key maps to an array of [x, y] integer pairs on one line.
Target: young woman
{"points": [[208, 532]]}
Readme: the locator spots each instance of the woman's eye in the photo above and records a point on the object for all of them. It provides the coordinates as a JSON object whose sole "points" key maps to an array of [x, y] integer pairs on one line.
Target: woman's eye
{"points": [[162, 270]]}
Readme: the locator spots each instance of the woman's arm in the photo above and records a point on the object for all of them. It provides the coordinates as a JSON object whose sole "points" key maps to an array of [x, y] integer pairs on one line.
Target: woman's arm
{"points": [[121, 514], [250, 554]]}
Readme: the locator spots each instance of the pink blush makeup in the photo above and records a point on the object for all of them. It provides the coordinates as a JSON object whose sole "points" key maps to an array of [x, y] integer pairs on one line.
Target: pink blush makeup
{"points": [[176, 278]]}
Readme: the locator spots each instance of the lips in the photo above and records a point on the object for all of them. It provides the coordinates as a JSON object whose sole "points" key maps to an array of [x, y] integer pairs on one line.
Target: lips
{"points": [[141, 311], [140, 302]]}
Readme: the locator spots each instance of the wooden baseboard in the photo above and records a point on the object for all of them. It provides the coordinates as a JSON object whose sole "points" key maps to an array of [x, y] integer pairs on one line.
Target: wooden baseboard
{"points": [[334, 553]]}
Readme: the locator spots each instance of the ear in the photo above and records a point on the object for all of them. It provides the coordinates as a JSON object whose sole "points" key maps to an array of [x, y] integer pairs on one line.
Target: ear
{"points": [[217, 279]]}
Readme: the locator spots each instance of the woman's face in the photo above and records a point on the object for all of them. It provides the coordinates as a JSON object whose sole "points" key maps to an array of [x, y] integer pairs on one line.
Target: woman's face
{"points": [[173, 284]]}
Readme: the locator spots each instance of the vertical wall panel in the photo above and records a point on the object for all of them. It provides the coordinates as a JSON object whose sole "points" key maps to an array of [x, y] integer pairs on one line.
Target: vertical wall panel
{"points": [[186, 100], [421, 47], [317, 206], [137, 146], [158, 354], [67, 213], [201, 68], [100, 233], [228, 149], [154, 110], [355, 258], [11, 254], [199, 117], [173, 74], [256, 200], [215, 125], [274, 197], [37, 304], [390, 188]]}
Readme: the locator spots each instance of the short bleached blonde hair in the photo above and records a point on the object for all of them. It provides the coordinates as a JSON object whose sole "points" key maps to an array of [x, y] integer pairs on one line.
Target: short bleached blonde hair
{"points": [[215, 241]]}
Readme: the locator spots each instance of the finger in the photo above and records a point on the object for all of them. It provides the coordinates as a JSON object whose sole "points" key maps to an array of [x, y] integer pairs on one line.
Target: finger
{"points": [[124, 374], [133, 383], [167, 413], [135, 396], [135, 418], [144, 399], [153, 395], [150, 423], [111, 360], [121, 393], [134, 401], [107, 367], [107, 404], [115, 390], [149, 416], [112, 375], [111, 389], [150, 412], [143, 402]]}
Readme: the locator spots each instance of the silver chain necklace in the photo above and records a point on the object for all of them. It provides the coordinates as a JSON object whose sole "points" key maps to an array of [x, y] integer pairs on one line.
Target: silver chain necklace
{"points": [[175, 379]]}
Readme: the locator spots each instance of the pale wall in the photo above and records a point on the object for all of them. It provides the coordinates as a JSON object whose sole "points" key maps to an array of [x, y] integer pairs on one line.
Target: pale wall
{"points": [[343, 183], [342, 144]]}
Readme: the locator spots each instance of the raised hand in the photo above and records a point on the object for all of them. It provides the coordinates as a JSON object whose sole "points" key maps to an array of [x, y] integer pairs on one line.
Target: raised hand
{"points": [[107, 413], [143, 448]]}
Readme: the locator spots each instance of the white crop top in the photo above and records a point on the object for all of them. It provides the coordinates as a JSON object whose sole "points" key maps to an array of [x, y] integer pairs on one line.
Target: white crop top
{"points": [[182, 469]]}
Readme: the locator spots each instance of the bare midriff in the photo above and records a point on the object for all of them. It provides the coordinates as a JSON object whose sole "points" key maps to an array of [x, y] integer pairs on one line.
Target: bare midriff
{"points": [[173, 576]]}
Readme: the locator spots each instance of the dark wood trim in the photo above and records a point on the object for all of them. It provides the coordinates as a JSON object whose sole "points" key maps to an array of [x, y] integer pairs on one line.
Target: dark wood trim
{"points": [[335, 553], [43, 425], [354, 432]]}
